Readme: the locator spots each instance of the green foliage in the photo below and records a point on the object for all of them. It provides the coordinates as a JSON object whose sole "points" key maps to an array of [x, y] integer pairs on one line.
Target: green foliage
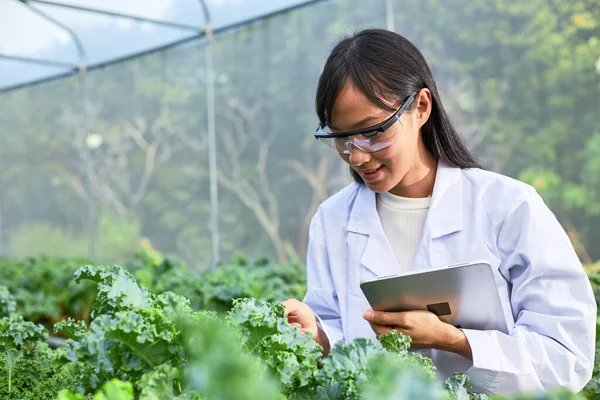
{"points": [[111, 390], [160, 274], [44, 289], [163, 382], [25, 360], [8, 306], [266, 333], [393, 380], [215, 289], [142, 345], [219, 368], [242, 278], [395, 342], [347, 366], [117, 289], [132, 332], [459, 386], [115, 390], [399, 344]]}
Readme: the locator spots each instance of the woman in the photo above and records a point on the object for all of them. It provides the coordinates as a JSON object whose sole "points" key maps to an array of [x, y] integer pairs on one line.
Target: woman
{"points": [[420, 200]]}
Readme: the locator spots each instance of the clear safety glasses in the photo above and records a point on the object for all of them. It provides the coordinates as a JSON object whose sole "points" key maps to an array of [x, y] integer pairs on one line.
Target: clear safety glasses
{"points": [[371, 139]]}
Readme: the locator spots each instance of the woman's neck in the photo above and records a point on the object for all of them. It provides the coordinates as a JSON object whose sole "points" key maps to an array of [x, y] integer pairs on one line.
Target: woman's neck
{"points": [[419, 181]]}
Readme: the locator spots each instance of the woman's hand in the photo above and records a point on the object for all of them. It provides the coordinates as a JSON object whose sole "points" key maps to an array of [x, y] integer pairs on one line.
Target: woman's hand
{"points": [[425, 328], [301, 316]]}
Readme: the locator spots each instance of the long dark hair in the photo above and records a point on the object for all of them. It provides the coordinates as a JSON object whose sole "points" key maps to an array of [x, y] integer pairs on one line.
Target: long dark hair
{"points": [[385, 65]]}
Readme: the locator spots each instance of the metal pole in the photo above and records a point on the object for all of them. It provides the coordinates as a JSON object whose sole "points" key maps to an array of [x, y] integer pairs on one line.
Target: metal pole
{"points": [[3, 251], [87, 163], [389, 15], [212, 141], [82, 99]]}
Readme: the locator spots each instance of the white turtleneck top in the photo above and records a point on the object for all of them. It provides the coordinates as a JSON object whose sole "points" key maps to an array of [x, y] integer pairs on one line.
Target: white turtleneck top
{"points": [[402, 219]]}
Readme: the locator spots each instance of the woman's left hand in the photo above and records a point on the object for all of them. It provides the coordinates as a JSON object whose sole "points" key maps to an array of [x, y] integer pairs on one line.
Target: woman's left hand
{"points": [[425, 328]]}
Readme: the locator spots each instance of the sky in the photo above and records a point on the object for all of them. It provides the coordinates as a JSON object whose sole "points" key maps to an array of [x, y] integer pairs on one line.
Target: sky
{"points": [[25, 34]]}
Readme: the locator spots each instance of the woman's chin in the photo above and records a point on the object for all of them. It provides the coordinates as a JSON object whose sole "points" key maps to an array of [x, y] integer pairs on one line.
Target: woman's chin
{"points": [[378, 186]]}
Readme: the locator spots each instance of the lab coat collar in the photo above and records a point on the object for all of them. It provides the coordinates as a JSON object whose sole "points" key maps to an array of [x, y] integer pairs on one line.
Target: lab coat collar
{"points": [[445, 216]]}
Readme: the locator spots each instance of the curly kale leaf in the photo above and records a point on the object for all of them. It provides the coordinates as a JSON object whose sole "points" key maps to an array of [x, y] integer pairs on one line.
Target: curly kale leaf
{"points": [[28, 374], [459, 386], [292, 356], [126, 344], [218, 366], [111, 390], [394, 377], [15, 333], [164, 382], [395, 342], [117, 289], [398, 343], [115, 390], [347, 366]]}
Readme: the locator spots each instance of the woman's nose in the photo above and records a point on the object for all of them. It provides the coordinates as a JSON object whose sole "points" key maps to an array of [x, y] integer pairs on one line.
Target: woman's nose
{"points": [[357, 156]]}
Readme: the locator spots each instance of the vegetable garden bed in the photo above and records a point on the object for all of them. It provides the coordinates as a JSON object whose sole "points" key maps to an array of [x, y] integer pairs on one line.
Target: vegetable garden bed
{"points": [[154, 330]]}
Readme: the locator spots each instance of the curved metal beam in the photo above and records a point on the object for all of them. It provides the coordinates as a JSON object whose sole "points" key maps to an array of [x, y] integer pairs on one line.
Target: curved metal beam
{"points": [[119, 15], [55, 22], [205, 12]]}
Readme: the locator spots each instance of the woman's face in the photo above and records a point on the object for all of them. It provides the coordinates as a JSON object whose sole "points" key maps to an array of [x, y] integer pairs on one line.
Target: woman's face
{"points": [[385, 169]]}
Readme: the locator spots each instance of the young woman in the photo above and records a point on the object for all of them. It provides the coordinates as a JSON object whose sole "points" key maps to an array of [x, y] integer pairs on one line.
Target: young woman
{"points": [[420, 200]]}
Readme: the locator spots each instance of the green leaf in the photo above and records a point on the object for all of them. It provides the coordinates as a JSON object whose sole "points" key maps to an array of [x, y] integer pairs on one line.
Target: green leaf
{"points": [[117, 289], [115, 390], [68, 395], [292, 356], [218, 368], [395, 342], [163, 382]]}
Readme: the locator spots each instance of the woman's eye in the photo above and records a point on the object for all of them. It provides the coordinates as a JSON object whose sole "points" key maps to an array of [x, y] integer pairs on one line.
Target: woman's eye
{"points": [[371, 135]]}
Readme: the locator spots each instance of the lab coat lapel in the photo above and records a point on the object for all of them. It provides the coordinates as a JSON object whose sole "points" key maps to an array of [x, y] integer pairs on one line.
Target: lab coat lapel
{"points": [[366, 240], [445, 217]]}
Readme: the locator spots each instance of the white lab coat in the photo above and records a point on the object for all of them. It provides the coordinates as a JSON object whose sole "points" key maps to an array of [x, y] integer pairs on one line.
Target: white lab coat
{"points": [[474, 214]]}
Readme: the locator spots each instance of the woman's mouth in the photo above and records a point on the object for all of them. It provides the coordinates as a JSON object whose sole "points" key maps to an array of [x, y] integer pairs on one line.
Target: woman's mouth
{"points": [[371, 174]]}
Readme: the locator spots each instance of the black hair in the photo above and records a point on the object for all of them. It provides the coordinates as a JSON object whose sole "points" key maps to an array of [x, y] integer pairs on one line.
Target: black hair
{"points": [[385, 65]]}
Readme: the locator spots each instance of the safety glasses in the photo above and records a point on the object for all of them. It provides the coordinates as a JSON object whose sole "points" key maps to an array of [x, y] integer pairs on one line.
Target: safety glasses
{"points": [[371, 139]]}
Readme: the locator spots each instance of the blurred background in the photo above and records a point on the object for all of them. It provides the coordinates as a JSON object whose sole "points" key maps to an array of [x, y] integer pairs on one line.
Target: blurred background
{"points": [[104, 161]]}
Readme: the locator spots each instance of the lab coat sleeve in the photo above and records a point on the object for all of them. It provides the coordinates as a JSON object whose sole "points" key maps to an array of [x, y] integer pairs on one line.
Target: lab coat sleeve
{"points": [[321, 295], [552, 343]]}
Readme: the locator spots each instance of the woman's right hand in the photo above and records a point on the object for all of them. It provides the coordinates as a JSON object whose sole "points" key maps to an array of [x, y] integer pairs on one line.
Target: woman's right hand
{"points": [[300, 315]]}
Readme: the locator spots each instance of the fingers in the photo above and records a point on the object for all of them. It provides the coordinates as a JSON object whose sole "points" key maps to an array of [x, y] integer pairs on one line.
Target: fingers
{"points": [[381, 329], [291, 306], [385, 318]]}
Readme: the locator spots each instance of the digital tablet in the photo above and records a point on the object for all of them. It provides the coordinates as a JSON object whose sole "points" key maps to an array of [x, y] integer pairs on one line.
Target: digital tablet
{"points": [[464, 295]]}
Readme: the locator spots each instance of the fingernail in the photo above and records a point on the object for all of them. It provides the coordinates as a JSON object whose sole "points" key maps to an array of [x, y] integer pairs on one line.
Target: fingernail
{"points": [[368, 315]]}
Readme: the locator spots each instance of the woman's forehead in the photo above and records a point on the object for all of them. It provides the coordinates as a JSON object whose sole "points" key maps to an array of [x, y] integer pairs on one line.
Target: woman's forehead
{"points": [[352, 108]]}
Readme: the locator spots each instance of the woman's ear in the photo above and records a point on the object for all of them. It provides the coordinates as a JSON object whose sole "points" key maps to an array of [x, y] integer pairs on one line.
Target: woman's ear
{"points": [[424, 105]]}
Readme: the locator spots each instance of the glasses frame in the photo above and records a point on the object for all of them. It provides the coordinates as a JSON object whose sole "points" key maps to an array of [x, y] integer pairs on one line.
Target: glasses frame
{"points": [[380, 127]]}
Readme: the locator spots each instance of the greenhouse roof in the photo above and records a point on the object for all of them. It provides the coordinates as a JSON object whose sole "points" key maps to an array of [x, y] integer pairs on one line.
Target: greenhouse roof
{"points": [[42, 40]]}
